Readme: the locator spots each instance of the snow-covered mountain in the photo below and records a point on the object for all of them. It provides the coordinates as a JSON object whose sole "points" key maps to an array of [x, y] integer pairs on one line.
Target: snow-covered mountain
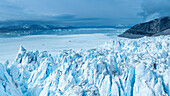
{"points": [[121, 67], [31, 25]]}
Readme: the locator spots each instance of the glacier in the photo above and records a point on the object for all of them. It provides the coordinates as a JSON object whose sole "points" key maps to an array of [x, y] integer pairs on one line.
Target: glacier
{"points": [[120, 67]]}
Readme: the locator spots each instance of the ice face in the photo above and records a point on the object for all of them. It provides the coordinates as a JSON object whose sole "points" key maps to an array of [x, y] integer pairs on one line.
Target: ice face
{"points": [[8, 87], [121, 67]]}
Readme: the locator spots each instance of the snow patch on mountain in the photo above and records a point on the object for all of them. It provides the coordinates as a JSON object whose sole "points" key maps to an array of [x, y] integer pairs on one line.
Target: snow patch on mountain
{"points": [[120, 67]]}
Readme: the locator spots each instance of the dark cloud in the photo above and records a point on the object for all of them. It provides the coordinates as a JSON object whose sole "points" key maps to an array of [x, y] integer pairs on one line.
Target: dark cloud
{"points": [[106, 12], [155, 8]]}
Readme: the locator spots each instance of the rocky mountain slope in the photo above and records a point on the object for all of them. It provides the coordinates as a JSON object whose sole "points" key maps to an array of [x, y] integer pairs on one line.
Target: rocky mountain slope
{"points": [[160, 26]]}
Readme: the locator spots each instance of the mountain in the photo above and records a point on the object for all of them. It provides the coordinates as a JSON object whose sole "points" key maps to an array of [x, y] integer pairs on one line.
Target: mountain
{"points": [[21, 25], [159, 26], [10, 26]]}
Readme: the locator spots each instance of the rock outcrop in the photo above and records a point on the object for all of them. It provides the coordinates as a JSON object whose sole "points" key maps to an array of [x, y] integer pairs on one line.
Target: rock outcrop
{"points": [[160, 26]]}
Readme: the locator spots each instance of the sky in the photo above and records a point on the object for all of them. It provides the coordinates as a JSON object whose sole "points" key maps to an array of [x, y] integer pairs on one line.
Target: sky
{"points": [[85, 12]]}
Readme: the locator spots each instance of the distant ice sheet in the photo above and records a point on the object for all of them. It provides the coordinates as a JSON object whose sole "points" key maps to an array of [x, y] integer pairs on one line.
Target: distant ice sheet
{"points": [[51, 43], [111, 31]]}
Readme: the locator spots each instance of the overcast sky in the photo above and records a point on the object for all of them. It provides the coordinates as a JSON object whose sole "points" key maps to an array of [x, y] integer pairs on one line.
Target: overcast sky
{"points": [[85, 12]]}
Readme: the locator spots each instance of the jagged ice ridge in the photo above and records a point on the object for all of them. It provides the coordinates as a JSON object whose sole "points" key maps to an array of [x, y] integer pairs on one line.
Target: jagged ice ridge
{"points": [[120, 67]]}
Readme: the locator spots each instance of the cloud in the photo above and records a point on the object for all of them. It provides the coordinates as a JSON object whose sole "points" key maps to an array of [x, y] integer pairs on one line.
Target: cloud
{"points": [[92, 11], [10, 11], [154, 8]]}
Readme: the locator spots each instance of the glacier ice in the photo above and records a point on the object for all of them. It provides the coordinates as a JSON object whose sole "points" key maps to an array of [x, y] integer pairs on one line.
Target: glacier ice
{"points": [[120, 67], [8, 87]]}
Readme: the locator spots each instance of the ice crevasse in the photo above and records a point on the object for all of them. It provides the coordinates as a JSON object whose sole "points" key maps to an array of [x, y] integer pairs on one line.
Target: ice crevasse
{"points": [[120, 67]]}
